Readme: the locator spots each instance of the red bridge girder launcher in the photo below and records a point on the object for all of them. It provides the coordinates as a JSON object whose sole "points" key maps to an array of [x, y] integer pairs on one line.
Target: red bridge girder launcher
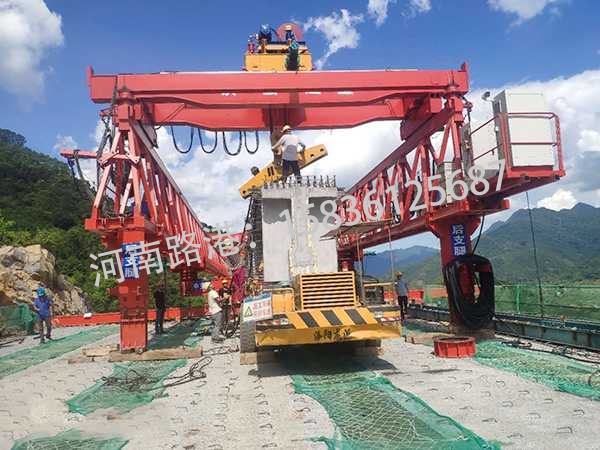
{"points": [[137, 199]]}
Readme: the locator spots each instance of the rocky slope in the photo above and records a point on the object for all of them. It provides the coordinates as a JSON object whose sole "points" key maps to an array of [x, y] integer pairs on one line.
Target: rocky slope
{"points": [[24, 269]]}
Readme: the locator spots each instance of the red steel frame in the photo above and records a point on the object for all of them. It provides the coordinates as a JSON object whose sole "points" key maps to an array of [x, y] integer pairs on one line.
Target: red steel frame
{"points": [[426, 102]]}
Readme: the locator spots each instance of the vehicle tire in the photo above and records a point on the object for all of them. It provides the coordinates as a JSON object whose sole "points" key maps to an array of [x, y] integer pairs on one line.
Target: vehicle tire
{"points": [[247, 341]]}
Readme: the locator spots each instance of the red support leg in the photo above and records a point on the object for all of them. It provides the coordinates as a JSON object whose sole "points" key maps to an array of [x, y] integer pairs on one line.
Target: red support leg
{"points": [[133, 302], [443, 230]]}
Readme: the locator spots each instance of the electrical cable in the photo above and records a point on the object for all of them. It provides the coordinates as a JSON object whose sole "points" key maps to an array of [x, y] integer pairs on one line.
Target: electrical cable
{"points": [[221, 350], [535, 258], [214, 147], [175, 142], [479, 235], [257, 139], [239, 149], [7, 342], [133, 381]]}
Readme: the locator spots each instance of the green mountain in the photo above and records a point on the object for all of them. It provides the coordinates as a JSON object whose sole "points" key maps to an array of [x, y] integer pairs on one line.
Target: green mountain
{"points": [[378, 265], [41, 203], [568, 248]]}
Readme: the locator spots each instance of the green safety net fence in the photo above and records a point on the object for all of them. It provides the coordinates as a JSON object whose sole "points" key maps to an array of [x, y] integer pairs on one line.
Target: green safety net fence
{"points": [[23, 359], [71, 439], [369, 412], [135, 384], [16, 319], [556, 371], [572, 301]]}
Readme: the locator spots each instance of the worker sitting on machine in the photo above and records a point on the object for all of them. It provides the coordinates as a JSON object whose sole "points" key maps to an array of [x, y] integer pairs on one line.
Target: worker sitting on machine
{"points": [[289, 34], [290, 143], [264, 37]]}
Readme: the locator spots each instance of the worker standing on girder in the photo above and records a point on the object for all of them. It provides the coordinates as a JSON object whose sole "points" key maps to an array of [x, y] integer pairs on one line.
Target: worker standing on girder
{"points": [[43, 308], [401, 287], [160, 304], [290, 143], [214, 309]]}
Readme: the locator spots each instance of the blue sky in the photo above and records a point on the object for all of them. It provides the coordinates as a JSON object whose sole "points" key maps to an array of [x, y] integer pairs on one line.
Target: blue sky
{"points": [[506, 42]]}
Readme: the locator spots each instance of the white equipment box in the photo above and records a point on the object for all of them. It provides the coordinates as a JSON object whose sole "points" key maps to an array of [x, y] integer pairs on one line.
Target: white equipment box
{"points": [[533, 132]]}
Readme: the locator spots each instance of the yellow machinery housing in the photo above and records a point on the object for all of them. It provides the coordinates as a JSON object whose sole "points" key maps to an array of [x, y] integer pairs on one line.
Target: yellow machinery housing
{"points": [[272, 171], [265, 56], [273, 59], [323, 308]]}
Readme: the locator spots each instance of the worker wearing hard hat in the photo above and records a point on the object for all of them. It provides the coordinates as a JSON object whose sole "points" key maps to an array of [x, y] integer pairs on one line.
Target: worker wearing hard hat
{"points": [[43, 308], [290, 143], [401, 287], [214, 309]]}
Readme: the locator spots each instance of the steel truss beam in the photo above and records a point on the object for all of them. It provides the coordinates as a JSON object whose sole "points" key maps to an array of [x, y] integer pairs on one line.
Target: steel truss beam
{"points": [[426, 101]]}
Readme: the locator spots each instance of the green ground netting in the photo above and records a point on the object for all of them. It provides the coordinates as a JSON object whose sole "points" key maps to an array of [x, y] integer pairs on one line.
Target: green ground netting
{"points": [[127, 394], [16, 318], [23, 359], [71, 439], [553, 370], [371, 413], [556, 371], [119, 395]]}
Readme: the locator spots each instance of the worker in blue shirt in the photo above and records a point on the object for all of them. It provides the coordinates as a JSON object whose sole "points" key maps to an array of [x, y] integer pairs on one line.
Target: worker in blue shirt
{"points": [[401, 287], [43, 308]]}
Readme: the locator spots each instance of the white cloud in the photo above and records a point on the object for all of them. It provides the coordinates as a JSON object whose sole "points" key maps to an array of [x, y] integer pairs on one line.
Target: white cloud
{"points": [[523, 9], [28, 29], [210, 182], [352, 152], [561, 199], [589, 140], [378, 10], [88, 166], [66, 142], [339, 30], [419, 6], [576, 101]]}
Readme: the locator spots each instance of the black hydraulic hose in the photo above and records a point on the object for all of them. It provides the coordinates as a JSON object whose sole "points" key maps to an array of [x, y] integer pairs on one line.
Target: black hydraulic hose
{"points": [[175, 142], [475, 311], [257, 140], [214, 147], [239, 149]]}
